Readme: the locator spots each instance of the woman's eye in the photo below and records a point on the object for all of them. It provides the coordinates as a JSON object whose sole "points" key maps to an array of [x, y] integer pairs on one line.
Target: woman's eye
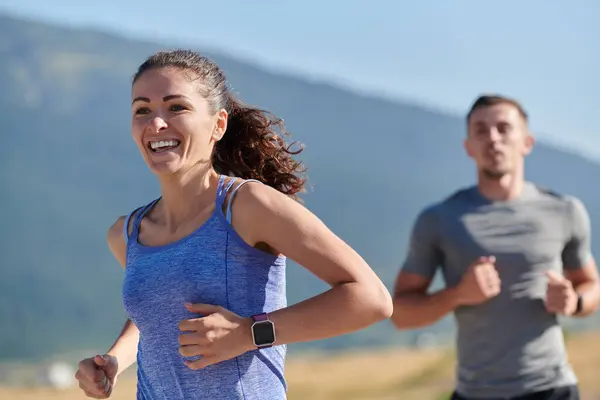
{"points": [[142, 111], [177, 107]]}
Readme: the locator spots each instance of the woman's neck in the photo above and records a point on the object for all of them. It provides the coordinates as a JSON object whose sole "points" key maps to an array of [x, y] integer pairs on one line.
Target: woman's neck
{"points": [[186, 194]]}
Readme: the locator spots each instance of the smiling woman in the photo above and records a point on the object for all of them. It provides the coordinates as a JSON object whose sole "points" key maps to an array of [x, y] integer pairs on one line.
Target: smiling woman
{"points": [[197, 96], [204, 284]]}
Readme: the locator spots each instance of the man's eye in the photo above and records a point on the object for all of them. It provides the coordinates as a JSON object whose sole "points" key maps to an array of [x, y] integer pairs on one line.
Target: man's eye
{"points": [[504, 128]]}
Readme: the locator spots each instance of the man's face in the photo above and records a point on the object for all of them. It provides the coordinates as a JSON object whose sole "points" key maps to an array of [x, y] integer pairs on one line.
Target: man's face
{"points": [[498, 139]]}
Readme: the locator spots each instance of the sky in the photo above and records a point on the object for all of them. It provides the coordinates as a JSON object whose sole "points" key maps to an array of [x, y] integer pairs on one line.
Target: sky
{"points": [[439, 53]]}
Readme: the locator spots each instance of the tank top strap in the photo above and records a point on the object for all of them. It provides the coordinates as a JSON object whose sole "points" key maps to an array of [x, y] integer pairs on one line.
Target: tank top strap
{"points": [[126, 223], [222, 190], [137, 220], [228, 213]]}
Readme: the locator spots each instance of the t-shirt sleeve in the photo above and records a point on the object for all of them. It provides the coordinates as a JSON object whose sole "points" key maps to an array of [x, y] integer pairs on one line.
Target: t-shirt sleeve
{"points": [[424, 255], [577, 251]]}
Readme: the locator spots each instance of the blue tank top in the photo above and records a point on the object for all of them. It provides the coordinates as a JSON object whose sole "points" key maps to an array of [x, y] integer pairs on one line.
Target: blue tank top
{"points": [[212, 265]]}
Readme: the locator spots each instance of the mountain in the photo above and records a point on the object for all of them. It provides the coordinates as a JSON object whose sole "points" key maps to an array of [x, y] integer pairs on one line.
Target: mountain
{"points": [[70, 168]]}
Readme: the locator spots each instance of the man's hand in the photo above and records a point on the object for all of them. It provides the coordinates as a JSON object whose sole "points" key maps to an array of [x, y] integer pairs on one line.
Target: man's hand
{"points": [[561, 298], [480, 283]]}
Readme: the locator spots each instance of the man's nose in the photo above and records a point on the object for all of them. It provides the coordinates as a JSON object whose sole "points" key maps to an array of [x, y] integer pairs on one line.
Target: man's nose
{"points": [[495, 136]]}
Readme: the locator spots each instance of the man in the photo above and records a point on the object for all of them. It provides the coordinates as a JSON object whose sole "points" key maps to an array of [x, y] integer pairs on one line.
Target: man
{"points": [[513, 256]]}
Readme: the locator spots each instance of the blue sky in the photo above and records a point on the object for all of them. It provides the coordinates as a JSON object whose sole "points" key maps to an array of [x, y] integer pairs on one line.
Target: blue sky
{"points": [[442, 53]]}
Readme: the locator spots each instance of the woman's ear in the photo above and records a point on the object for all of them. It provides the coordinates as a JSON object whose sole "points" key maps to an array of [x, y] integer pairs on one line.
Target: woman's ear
{"points": [[220, 125]]}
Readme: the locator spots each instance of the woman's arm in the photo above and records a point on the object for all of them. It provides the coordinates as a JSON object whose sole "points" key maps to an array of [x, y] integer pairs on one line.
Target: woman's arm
{"points": [[124, 349], [357, 297], [97, 375]]}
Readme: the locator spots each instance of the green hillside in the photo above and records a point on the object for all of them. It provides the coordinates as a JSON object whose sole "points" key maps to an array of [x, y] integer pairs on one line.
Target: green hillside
{"points": [[69, 168]]}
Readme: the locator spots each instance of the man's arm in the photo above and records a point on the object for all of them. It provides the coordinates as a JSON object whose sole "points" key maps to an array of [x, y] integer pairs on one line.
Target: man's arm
{"points": [[413, 306], [585, 281], [579, 265]]}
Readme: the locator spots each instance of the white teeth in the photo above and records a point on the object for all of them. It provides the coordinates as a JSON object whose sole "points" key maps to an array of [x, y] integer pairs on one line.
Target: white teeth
{"points": [[163, 143]]}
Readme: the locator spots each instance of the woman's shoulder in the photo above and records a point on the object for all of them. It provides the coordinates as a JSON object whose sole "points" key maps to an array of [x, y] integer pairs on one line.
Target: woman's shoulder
{"points": [[253, 193], [116, 239], [119, 232]]}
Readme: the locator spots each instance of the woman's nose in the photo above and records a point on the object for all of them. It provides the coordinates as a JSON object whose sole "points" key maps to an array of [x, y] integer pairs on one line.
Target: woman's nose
{"points": [[158, 124]]}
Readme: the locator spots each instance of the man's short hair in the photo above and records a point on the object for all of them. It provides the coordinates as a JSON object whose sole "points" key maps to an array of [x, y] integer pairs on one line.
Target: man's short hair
{"points": [[490, 100]]}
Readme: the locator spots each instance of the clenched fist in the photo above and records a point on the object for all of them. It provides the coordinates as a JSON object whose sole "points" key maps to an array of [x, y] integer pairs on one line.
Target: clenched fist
{"points": [[97, 376], [561, 298], [217, 336], [480, 283]]}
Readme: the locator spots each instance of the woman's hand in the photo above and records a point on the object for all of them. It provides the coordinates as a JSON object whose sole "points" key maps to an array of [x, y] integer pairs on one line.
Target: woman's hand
{"points": [[97, 376], [218, 336]]}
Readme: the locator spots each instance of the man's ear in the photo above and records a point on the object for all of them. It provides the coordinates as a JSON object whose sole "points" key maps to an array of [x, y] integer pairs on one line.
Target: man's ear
{"points": [[529, 144]]}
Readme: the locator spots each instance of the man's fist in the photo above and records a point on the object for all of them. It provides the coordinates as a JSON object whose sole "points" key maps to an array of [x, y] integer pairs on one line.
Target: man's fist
{"points": [[480, 283], [561, 298]]}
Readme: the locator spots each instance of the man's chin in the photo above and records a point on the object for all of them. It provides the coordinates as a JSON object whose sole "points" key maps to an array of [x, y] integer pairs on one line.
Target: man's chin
{"points": [[494, 174]]}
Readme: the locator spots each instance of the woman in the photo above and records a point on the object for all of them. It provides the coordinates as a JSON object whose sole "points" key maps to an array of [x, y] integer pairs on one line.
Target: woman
{"points": [[204, 283]]}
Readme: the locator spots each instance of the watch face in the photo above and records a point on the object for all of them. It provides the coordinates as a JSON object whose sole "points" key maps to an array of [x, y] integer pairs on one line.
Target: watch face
{"points": [[264, 333]]}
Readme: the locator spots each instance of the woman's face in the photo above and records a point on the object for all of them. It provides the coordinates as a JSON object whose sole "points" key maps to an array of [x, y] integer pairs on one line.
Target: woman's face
{"points": [[171, 122]]}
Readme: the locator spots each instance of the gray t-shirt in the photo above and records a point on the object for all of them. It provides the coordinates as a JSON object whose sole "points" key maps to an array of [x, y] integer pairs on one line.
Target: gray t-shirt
{"points": [[509, 345]]}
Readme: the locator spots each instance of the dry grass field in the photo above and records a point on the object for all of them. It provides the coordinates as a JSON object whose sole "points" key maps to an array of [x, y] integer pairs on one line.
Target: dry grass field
{"points": [[385, 375]]}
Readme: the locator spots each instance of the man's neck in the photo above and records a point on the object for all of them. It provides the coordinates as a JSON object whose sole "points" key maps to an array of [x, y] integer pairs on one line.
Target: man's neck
{"points": [[506, 188]]}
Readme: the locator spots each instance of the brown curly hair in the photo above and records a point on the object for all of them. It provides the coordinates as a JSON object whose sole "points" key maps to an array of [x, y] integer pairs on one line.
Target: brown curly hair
{"points": [[253, 146]]}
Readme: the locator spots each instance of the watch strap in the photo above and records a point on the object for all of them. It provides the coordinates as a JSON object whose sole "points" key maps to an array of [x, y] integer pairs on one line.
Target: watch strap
{"points": [[579, 307], [260, 317]]}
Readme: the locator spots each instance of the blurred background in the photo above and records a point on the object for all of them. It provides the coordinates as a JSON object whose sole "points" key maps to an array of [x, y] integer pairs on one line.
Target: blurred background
{"points": [[377, 91]]}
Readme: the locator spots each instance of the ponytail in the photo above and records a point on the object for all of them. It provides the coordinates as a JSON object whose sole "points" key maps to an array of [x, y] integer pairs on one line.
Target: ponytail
{"points": [[253, 148]]}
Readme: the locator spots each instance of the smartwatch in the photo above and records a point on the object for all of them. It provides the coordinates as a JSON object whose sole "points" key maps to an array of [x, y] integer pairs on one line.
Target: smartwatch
{"points": [[263, 331]]}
